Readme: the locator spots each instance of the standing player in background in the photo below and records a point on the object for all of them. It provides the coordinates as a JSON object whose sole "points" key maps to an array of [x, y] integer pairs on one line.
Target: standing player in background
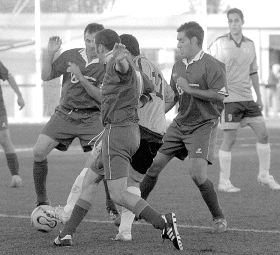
{"points": [[199, 84], [120, 95], [78, 113], [238, 53], [5, 139]]}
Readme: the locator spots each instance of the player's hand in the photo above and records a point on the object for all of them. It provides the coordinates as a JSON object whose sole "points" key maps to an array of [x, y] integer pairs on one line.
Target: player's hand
{"points": [[20, 102], [119, 52], [75, 69], [260, 103], [54, 44], [183, 84]]}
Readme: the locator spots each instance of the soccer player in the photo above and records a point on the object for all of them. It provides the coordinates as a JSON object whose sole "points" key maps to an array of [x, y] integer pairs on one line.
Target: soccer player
{"points": [[5, 139], [78, 113], [238, 53], [120, 94], [199, 84]]}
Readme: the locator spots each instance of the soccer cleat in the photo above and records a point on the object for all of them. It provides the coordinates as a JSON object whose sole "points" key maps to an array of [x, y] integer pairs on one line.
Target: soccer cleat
{"points": [[63, 241], [117, 221], [220, 225], [16, 181], [58, 213], [269, 181], [123, 236], [170, 231], [226, 186]]}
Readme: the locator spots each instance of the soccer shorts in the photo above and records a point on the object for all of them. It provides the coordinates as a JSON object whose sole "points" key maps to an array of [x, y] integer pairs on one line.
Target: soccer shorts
{"points": [[119, 144], [64, 128], [242, 113], [197, 142]]}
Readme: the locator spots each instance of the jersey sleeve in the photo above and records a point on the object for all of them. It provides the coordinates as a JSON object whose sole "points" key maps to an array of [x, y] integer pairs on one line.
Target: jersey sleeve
{"points": [[59, 66], [216, 77], [4, 72]]}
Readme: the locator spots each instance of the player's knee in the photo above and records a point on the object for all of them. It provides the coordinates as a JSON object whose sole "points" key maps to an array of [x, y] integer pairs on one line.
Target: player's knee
{"points": [[39, 154], [263, 137]]}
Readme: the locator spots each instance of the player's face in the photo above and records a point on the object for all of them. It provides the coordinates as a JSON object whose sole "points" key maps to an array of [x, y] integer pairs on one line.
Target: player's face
{"points": [[90, 44], [100, 53], [235, 24], [184, 45]]}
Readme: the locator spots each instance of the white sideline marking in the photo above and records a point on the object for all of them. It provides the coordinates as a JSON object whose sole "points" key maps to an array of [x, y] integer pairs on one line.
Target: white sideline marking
{"points": [[179, 225]]}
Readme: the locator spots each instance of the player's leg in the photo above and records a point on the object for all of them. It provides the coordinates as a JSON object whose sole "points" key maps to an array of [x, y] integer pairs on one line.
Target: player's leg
{"points": [[230, 122], [200, 144]]}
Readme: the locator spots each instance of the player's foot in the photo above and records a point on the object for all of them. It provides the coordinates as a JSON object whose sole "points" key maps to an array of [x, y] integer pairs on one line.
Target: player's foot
{"points": [[269, 181], [123, 236], [226, 186], [59, 213], [63, 241], [112, 210], [170, 231], [16, 181], [117, 221], [220, 225]]}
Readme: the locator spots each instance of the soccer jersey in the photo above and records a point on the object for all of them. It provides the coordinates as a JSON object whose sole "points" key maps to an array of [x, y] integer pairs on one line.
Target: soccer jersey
{"points": [[120, 95], [204, 72], [73, 94], [152, 115], [4, 75], [240, 61]]}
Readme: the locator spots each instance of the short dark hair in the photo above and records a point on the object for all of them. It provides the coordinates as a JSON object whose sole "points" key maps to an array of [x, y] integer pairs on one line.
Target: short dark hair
{"points": [[131, 44], [193, 29], [237, 11], [93, 28], [107, 37]]}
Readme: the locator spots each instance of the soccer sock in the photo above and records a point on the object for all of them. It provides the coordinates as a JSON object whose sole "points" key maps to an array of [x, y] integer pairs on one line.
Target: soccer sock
{"points": [[110, 205], [144, 211], [127, 216], [147, 185], [209, 195], [263, 151], [40, 171], [79, 212], [12, 161], [225, 164]]}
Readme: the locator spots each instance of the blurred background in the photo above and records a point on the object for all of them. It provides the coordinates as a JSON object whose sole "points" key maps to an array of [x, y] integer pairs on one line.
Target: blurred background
{"points": [[26, 25]]}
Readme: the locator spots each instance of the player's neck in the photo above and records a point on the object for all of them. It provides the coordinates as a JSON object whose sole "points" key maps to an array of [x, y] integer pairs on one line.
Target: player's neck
{"points": [[237, 37]]}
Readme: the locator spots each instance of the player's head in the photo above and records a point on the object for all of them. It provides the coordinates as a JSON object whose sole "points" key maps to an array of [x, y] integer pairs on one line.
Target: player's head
{"points": [[105, 41], [190, 38], [235, 21], [89, 34], [131, 44]]}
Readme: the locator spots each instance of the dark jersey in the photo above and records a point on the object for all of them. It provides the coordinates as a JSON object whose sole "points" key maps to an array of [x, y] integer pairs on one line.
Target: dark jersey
{"points": [[204, 72], [120, 94], [73, 94]]}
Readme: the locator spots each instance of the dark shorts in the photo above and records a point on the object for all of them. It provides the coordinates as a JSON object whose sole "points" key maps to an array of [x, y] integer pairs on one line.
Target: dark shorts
{"points": [[119, 144], [198, 142], [237, 114], [64, 128]]}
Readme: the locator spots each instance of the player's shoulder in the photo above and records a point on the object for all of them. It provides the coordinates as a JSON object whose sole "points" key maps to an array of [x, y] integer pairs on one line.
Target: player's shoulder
{"points": [[221, 38], [212, 62], [248, 40]]}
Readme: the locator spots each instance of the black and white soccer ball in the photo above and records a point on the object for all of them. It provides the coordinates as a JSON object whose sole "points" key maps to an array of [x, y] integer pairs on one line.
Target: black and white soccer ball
{"points": [[41, 220]]}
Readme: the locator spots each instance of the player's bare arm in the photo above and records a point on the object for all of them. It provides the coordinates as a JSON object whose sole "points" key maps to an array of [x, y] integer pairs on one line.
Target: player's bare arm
{"points": [[54, 45], [93, 91], [120, 54], [193, 89], [13, 84]]}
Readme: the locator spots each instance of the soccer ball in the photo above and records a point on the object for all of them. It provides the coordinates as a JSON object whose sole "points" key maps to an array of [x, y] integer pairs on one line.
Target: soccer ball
{"points": [[41, 220]]}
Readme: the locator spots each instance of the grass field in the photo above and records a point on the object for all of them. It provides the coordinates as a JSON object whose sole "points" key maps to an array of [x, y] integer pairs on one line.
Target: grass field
{"points": [[253, 214]]}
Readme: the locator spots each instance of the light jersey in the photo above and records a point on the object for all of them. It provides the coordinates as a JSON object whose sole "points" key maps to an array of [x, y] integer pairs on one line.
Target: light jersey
{"points": [[73, 94], [204, 72], [152, 114], [240, 61], [4, 75], [120, 96]]}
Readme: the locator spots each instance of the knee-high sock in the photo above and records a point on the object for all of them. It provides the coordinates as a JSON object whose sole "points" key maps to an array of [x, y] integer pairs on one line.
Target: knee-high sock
{"points": [[75, 192], [127, 216], [147, 185], [263, 151], [225, 165], [79, 212], [209, 195], [110, 205], [40, 172], [12, 162], [144, 211]]}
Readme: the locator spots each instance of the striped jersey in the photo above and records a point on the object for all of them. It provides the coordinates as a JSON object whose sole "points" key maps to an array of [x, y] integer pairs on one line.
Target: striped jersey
{"points": [[240, 60], [73, 94], [152, 115]]}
